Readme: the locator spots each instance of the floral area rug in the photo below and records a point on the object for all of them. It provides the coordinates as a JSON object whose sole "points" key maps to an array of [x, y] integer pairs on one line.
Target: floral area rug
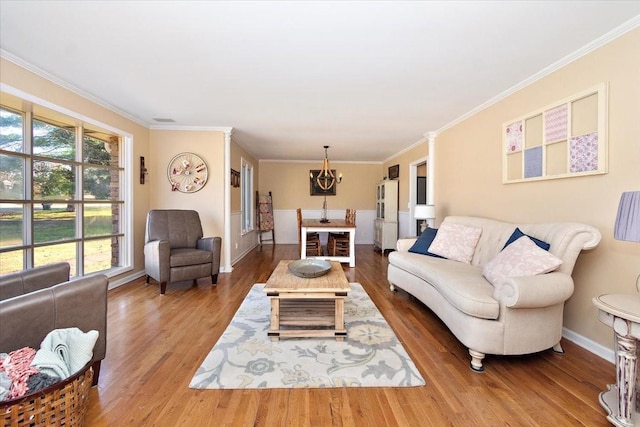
{"points": [[245, 357]]}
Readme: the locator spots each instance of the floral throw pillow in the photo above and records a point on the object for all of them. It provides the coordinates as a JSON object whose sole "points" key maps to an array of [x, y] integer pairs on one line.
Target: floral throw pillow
{"points": [[520, 258], [456, 241]]}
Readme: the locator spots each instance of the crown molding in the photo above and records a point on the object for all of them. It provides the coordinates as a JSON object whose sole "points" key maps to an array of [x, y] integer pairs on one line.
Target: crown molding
{"points": [[53, 107], [68, 86], [241, 145], [409, 148], [586, 49]]}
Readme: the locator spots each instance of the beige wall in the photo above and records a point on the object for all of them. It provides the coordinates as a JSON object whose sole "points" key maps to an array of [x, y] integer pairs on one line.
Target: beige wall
{"points": [[289, 184], [241, 243], [404, 160], [34, 85], [468, 174], [237, 154], [209, 201]]}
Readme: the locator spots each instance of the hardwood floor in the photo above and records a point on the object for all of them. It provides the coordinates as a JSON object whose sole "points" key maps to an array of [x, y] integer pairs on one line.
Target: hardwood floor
{"points": [[155, 344]]}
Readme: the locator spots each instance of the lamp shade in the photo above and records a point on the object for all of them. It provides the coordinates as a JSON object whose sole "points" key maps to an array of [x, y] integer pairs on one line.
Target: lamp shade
{"points": [[424, 212], [628, 219]]}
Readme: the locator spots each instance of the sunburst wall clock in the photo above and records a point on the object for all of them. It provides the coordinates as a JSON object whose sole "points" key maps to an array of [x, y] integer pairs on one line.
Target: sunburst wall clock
{"points": [[187, 173]]}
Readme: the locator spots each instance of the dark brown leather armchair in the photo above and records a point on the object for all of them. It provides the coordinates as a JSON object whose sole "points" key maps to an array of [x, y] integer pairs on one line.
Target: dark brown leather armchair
{"points": [[175, 249], [34, 302]]}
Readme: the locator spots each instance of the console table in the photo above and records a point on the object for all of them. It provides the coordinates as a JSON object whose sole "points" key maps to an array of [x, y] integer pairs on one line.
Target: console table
{"points": [[622, 313]]}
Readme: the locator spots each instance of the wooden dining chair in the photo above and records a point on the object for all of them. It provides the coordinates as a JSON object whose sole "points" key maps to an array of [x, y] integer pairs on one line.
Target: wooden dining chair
{"points": [[338, 243], [314, 247]]}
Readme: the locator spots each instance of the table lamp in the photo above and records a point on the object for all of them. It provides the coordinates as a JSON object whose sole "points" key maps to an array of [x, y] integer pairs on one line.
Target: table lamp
{"points": [[627, 225], [424, 212]]}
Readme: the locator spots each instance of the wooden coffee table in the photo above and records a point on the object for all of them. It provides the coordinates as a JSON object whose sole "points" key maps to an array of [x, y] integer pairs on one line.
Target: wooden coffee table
{"points": [[307, 307]]}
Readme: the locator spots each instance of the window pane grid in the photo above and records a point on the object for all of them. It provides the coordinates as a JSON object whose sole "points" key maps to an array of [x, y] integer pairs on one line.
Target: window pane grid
{"points": [[11, 131], [53, 141], [60, 194]]}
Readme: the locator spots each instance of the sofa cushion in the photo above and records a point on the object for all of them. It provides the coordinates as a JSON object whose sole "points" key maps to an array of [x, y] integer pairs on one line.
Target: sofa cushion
{"points": [[462, 285], [517, 233], [521, 258], [185, 256], [456, 242], [421, 246]]}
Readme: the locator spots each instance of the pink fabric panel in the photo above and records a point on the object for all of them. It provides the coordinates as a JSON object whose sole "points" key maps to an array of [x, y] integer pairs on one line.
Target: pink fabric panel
{"points": [[555, 124], [514, 137], [584, 153]]}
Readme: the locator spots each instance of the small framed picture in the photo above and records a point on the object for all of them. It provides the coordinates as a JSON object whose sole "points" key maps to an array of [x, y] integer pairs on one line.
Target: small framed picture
{"points": [[235, 178], [394, 171]]}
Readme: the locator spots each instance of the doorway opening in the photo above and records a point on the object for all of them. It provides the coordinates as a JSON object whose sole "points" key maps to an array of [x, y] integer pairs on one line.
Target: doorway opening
{"points": [[418, 191]]}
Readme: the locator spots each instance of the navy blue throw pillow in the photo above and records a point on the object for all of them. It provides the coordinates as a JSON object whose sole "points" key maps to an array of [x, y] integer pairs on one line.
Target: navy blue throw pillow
{"points": [[423, 242], [518, 234]]}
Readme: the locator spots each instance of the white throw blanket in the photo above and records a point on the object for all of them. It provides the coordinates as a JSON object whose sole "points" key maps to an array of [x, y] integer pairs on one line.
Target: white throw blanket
{"points": [[64, 352]]}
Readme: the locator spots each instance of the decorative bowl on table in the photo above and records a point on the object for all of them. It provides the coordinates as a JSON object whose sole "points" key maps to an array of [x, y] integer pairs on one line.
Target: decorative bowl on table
{"points": [[309, 268]]}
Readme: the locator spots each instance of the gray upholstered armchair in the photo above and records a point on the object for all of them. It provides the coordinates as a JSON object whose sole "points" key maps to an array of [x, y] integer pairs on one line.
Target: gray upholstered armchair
{"points": [[175, 250]]}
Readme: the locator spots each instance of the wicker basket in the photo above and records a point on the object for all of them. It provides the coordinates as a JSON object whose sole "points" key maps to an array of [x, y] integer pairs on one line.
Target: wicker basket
{"points": [[62, 404]]}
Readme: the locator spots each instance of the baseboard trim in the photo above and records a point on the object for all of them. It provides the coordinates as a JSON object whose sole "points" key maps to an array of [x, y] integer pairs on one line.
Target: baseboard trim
{"points": [[590, 345], [133, 276], [242, 255], [125, 279]]}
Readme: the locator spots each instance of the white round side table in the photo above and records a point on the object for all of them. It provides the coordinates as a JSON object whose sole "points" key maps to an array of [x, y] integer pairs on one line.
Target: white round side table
{"points": [[622, 313]]}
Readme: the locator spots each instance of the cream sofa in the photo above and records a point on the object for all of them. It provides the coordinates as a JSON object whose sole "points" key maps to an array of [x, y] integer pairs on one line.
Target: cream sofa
{"points": [[520, 315]]}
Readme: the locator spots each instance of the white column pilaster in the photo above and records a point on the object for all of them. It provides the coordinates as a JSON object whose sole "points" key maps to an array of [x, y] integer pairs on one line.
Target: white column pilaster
{"points": [[431, 138], [226, 240]]}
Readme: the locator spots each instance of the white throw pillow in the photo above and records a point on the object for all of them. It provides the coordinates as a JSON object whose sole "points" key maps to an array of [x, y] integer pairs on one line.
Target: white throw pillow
{"points": [[521, 258], [456, 241]]}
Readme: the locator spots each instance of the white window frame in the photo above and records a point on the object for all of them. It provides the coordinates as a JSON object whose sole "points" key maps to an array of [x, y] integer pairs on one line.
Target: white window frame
{"points": [[126, 191]]}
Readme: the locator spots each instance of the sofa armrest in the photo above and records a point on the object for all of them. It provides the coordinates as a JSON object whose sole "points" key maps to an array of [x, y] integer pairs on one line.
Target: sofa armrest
{"points": [[26, 319], [213, 245], [157, 255], [405, 244], [33, 279], [543, 290]]}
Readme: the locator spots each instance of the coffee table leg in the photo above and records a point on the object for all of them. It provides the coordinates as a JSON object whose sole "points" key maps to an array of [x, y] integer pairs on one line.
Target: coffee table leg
{"points": [[275, 319], [339, 319]]}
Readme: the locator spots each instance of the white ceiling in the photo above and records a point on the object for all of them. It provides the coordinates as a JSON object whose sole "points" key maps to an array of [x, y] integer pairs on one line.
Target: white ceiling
{"points": [[367, 78]]}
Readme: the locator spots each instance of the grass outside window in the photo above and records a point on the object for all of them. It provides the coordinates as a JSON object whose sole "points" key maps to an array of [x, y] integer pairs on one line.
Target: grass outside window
{"points": [[54, 225]]}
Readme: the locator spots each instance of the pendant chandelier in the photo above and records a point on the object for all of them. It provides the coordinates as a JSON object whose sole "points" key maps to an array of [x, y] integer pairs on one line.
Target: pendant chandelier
{"points": [[326, 179]]}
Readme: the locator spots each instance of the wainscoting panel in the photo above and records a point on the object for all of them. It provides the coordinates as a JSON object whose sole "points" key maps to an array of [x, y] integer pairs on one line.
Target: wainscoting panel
{"points": [[241, 244]]}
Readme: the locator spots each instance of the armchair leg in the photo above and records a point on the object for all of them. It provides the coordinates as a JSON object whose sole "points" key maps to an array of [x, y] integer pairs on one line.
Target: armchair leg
{"points": [[163, 288], [214, 279], [96, 372]]}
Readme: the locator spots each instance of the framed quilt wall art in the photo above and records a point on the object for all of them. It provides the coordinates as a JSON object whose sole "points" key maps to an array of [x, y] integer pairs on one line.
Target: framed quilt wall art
{"points": [[565, 139]]}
